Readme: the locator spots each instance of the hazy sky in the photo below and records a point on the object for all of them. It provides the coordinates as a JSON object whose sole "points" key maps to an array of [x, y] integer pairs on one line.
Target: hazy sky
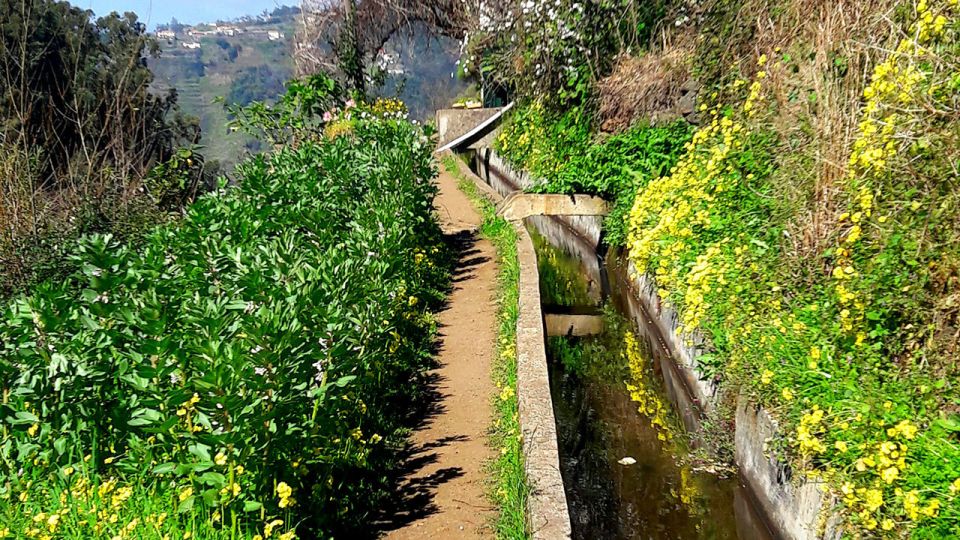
{"points": [[153, 12]]}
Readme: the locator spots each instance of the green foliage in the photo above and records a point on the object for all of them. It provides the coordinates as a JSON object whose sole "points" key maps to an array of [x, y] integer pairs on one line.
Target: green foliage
{"points": [[259, 83], [280, 326], [559, 151], [80, 129], [299, 111], [541, 141], [174, 183]]}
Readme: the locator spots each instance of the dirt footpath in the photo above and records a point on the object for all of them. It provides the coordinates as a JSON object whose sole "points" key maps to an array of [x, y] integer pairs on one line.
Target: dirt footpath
{"points": [[445, 483]]}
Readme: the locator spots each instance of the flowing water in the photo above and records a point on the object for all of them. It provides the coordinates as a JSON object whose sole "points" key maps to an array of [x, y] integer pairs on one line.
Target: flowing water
{"points": [[627, 463]]}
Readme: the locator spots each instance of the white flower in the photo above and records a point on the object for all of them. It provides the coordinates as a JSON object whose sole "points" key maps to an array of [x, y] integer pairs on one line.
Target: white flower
{"points": [[320, 366], [260, 371]]}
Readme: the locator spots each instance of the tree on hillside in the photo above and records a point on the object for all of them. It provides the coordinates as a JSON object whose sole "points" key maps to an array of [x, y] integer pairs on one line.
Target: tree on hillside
{"points": [[82, 135], [78, 91], [257, 83], [344, 36]]}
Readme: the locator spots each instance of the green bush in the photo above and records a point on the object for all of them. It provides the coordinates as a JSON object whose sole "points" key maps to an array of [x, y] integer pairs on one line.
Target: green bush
{"points": [[278, 330], [558, 150]]}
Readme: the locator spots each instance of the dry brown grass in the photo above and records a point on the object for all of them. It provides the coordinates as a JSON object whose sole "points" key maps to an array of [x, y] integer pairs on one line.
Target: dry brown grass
{"points": [[821, 53], [645, 88]]}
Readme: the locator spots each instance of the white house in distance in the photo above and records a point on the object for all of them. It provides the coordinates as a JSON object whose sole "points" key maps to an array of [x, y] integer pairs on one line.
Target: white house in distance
{"points": [[167, 34], [275, 35], [191, 45], [229, 31]]}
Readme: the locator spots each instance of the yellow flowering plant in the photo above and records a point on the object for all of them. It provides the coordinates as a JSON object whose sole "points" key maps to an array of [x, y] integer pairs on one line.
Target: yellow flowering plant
{"points": [[832, 356]]}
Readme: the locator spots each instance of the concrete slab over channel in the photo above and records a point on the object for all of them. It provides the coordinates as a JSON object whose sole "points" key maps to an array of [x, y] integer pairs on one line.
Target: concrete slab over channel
{"points": [[518, 205], [562, 324]]}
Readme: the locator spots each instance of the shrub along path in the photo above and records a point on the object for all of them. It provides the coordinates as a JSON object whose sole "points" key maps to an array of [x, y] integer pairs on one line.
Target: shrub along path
{"points": [[443, 492]]}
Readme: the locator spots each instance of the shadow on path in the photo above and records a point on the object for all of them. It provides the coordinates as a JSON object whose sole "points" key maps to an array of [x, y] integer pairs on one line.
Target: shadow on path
{"points": [[417, 478]]}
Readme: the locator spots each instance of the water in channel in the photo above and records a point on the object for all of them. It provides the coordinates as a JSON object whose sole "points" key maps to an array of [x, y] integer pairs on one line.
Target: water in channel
{"points": [[627, 464]]}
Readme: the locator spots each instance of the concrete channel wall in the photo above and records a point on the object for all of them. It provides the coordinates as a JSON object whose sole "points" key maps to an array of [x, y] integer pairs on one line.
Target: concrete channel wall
{"points": [[793, 508], [547, 512], [547, 506]]}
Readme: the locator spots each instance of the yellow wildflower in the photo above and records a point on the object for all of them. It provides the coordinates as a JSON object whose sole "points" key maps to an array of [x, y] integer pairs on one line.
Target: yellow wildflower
{"points": [[932, 508], [284, 492], [890, 474], [873, 499], [269, 527]]}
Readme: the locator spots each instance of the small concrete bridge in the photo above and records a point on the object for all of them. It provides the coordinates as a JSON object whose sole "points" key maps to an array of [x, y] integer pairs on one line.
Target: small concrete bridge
{"points": [[519, 205], [469, 129]]}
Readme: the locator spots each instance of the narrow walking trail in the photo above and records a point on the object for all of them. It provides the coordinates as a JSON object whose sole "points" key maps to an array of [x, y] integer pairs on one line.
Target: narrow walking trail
{"points": [[445, 482]]}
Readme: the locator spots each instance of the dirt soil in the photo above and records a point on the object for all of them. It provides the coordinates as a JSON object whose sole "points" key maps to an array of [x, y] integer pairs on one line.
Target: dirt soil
{"points": [[444, 486]]}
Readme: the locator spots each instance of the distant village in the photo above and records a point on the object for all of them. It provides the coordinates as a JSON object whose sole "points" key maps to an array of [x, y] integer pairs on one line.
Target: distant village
{"points": [[189, 36]]}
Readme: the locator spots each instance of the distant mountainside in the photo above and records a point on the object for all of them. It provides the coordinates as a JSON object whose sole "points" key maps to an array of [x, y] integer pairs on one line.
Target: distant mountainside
{"points": [[241, 61], [249, 59]]}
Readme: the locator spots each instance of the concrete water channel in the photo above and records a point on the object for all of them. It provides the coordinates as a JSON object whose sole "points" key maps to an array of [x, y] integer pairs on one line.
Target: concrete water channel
{"points": [[629, 468], [627, 425], [629, 463]]}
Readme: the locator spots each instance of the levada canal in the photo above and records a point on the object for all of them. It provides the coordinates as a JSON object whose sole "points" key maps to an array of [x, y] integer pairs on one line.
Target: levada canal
{"points": [[630, 470]]}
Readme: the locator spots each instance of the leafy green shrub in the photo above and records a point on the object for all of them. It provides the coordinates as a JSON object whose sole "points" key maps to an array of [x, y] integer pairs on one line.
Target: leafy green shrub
{"points": [[253, 359], [555, 51], [559, 151]]}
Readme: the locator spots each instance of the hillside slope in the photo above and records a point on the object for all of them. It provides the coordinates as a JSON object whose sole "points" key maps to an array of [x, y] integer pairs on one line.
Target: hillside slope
{"points": [[787, 172]]}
